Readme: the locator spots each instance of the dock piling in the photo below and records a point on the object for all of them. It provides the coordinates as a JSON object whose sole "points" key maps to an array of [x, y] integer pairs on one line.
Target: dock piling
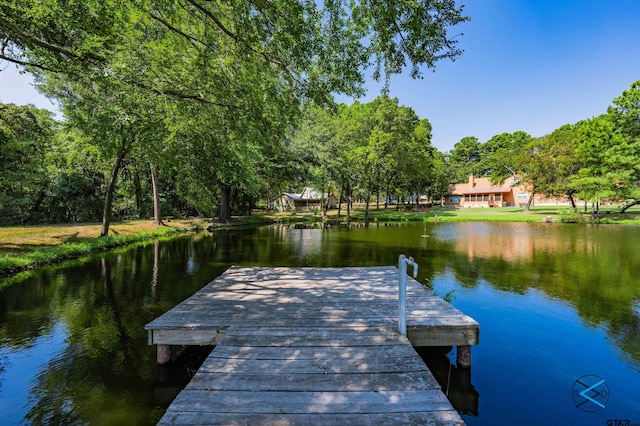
{"points": [[163, 355], [463, 356]]}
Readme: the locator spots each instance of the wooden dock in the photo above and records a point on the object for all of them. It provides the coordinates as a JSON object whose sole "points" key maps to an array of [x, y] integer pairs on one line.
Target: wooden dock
{"points": [[311, 346]]}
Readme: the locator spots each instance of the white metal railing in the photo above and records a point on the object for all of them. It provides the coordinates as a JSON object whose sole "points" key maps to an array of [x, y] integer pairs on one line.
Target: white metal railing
{"points": [[402, 290]]}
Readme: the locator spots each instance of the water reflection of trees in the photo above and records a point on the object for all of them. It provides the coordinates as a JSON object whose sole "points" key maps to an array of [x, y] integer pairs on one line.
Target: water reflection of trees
{"points": [[106, 370], [591, 267], [105, 359]]}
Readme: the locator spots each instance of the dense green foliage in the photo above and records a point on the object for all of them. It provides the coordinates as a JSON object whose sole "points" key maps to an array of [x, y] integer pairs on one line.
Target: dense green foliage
{"points": [[206, 91], [367, 149], [210, 108]]}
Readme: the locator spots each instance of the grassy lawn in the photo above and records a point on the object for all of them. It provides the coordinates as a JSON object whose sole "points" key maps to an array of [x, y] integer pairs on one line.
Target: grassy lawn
{"points": [[15, 240], [30, 246], [608, 214]]}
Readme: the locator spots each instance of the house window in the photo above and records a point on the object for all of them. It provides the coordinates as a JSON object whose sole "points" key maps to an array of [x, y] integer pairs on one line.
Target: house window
{"points": [[522, 196], [498, 197], [454, 199], [485, 197]]}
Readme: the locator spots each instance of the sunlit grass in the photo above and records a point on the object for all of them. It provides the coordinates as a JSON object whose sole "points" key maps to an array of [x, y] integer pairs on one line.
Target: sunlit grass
{"points": [[608, 214], [28, 247]]}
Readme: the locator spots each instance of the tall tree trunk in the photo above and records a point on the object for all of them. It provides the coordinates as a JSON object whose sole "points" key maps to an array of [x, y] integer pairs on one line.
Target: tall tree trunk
{"points": [[326, 205], [138, 190], [108, 199], [349, 206], [377, 198], [225, 203], [530, 201], [38, 203], [323, 210], [367, 217], [157, 216], [340, 201], [249, 206], [573, 202]]}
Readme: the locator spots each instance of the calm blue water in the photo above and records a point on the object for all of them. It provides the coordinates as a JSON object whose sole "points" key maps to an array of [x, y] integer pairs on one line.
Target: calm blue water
{"points": [[554, 302]]}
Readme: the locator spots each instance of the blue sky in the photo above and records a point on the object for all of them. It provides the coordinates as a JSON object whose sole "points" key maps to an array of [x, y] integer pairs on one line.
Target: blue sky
{"points": [[529, 65]]}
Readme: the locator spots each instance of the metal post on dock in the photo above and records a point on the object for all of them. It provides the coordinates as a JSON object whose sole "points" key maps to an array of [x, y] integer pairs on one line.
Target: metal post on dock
{"points": [[402, 290]]}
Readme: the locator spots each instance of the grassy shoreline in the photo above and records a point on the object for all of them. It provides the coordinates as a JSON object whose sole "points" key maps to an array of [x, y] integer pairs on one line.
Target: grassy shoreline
{"points": [[22, 249], [608, 215], [26, 248]]}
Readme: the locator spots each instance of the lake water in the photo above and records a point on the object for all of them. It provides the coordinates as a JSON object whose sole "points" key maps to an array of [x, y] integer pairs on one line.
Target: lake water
{"points": [[558, 307]]}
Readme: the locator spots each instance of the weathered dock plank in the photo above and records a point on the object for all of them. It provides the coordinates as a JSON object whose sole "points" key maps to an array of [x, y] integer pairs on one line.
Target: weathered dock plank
{"points": [[311, 346], [291, 297], [296, 402], [422, 418], [320, 382], [244, 381]]}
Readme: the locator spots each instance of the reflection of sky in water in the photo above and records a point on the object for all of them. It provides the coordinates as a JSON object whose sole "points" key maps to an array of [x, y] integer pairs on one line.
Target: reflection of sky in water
{"points": [[308, 242], [532, 349], [192, 265], [446, 232], [20, 367]]}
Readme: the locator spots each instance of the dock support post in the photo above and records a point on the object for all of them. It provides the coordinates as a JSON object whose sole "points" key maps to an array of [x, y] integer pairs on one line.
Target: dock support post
{"points": [[163, 355], [463, 356]]}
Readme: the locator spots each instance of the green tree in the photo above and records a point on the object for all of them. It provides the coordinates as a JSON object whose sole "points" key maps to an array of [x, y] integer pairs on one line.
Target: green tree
{"points": [[603, 153], [26, 137], [249, 62], [464, 159], [625, 112], [417, 170], [316, 152], [77, 172], [441, 177], [117, 119], [500, 155], [396, 128], [546, 164]]}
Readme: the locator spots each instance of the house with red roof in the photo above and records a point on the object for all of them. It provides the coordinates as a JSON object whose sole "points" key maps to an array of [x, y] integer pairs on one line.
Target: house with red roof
{"points": [[480, 192]]}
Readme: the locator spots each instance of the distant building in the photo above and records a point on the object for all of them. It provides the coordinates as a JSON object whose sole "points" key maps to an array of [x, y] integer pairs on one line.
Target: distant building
{"points": [[480, 192], [308, 199]]}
